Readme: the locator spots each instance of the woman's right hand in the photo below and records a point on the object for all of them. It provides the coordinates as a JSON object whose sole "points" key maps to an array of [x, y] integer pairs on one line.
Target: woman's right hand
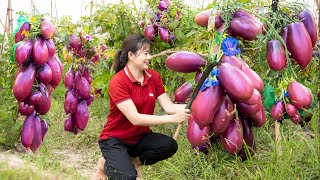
{"points": [[181, 116]]}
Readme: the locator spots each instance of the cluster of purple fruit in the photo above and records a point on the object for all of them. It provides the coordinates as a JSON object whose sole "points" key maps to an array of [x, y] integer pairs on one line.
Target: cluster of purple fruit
{"points": [[214, 107], [77, 81], [158, 24], [40, 71]]}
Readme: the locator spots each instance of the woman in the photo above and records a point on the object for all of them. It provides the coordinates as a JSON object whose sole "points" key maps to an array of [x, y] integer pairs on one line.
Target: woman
{"points": [[126, 141]]}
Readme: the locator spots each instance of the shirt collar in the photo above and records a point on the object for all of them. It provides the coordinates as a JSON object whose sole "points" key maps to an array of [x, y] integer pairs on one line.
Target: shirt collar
{"points": [[146, 74]]}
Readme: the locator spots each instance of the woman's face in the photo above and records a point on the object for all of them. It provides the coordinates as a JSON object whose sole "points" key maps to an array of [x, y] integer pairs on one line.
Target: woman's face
{"points": [[141, 58]]}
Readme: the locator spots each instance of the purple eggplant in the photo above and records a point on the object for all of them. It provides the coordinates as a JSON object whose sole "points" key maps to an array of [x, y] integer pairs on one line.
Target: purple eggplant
{"points": [[73, 41], [149, 32], [299, 44], [296, 118], [211, 98], [258, 119], [233, 60], [70, 102], [232, 139], [197, 136], [164, 34], [81, 115], [90, 99], [249, 109], [68, 124], [276, 55], [28, 129], [82, 86], [47, 29], [222, 117], [44, 128], [51, 47], [299, 95], [25, 109], [255, 79], [86, 75], [37, 137], [308, 20], [23, 51], [34, 98], [44, 74], [291, 109], [56, 72], [277, 110], [24, 28], [254, 99], [40, 54], [69, 78], [183, 93], [22, 86], [235, 82]]}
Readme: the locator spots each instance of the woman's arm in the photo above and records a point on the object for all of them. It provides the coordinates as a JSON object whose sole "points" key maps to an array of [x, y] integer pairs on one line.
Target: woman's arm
{"points": [[168, 106], [128, 108]]}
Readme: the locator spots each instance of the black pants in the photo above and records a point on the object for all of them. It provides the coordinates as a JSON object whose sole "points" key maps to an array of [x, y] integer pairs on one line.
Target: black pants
{"points": [[153, 147]]}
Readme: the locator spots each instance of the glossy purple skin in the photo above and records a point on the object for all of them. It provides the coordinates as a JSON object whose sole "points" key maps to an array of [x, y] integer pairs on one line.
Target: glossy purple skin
{"points": [[19, 36], [211, 98], [185, 62], [68, 124], [197, 76], [235, 82], [222, 117], [34, 98], [44, 74], [22, 86], [162, 6], [56, 72], [81, 115], [27, 131], [232, 138], [233, 60], [40, 53], [296, 118], [73, 41], [86, 75], [276, 55], [255, 79], [90, 99], [284, 35], [197, 136], [45, 104], [37, 137], [259, 119], [248, 135], [55, 57], [70, 101], [149, 32], [25, 109], [47, 29], [254, 99], [299, 44], [277, 110], [51, 47], [44, 128], [23, 51], [291, 109], [309, 22], [183, 93], [82, 87], [246, 28], [202, 19], [248, 109], [69, 78], [299, 95], [164, 34]]}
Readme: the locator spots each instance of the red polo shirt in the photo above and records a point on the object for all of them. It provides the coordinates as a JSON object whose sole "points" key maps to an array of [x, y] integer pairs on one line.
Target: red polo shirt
{"points": [[124, 86]]}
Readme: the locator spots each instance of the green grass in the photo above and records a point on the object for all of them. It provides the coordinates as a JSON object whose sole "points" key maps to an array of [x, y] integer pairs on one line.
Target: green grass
{"points": [[67, 156]]}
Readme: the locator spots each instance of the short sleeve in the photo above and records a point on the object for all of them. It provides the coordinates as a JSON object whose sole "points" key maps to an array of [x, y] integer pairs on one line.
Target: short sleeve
{"points": [[118, 91], [159, 85]]}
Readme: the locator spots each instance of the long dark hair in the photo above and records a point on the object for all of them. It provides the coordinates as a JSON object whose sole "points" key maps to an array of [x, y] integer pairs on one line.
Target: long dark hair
{"points": [[132, 43]]}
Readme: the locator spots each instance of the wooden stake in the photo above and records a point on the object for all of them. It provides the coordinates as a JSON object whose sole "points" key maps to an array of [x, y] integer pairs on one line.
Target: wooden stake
{"points": [[278, 138]]}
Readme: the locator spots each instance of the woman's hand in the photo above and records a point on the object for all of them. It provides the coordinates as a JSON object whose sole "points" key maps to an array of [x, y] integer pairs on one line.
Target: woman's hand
{"points": [[181, 116]]}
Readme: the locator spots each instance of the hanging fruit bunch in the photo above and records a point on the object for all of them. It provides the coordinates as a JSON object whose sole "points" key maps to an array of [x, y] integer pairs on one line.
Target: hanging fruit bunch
{"points": [[82, 55], [39, 73], [164, 19]]}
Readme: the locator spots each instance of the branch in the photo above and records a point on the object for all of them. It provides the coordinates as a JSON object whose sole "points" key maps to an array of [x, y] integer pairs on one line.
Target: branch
{"points": [[169, 52]]}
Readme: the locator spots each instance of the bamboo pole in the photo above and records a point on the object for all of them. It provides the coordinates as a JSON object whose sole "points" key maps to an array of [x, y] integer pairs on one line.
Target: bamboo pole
{"points": [[278, 138], [91, 7], [4, 31]]}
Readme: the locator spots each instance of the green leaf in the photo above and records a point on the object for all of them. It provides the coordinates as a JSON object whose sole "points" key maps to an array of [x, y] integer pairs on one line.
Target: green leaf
{"points": [[268, 96]]}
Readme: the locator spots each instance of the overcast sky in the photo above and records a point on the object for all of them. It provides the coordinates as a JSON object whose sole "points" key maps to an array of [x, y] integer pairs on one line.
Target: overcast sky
{"points": [[73, 8]]}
